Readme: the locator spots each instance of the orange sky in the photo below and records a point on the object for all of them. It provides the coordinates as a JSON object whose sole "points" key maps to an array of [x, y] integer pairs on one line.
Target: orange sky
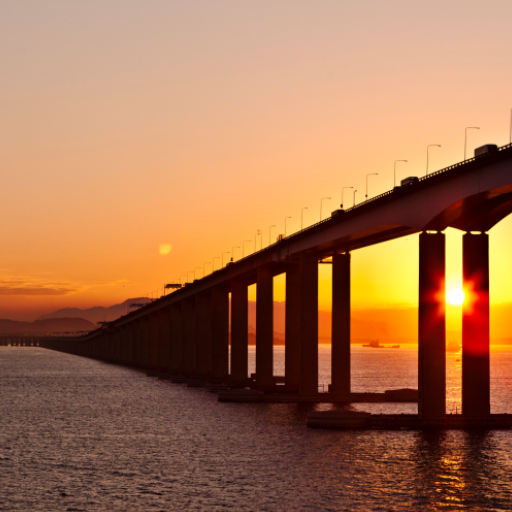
{"points": [[127, 125]]}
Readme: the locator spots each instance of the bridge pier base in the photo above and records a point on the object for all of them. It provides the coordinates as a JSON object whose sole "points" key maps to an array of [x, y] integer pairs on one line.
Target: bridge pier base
{"points": [[432, 327], [239, 334], [340, 350], [475, 327]]}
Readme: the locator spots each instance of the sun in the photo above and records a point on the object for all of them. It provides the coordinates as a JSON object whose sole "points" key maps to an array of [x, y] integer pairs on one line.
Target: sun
{"points": [[456, 297]]}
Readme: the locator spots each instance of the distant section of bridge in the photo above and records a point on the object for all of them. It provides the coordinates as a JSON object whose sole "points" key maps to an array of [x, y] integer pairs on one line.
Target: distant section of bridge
{"points": [[185, 335]]}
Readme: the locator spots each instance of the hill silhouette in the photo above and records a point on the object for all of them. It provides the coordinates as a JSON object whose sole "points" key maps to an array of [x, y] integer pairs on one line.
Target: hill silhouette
{"points": [[44, 327], [98, 313]]}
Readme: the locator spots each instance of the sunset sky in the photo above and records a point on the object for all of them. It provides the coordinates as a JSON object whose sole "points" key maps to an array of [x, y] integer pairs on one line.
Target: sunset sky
{"points": [[138, 140]]}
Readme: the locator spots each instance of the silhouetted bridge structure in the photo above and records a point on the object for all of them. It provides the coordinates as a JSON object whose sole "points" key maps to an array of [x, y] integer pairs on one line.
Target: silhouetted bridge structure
{"points": [[184, 336]]}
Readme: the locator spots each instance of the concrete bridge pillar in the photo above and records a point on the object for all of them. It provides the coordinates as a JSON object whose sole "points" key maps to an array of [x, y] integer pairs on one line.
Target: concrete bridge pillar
{"points": [[239, 333], [154, 340], [340, 350], [203, 336], [176, 340], [265, 328], [476, 396], [292, 368], [145, 338], [163, 364], [309, 323], [220, 334], [432, 326], [188, 318], [137, 343]]}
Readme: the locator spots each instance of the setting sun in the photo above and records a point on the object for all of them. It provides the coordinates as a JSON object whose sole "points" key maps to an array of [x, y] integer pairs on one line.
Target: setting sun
{"points": [[456, 297]]}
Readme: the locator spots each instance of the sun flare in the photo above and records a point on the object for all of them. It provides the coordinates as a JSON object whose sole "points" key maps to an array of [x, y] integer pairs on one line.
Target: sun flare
{"points": [[456, 297]]}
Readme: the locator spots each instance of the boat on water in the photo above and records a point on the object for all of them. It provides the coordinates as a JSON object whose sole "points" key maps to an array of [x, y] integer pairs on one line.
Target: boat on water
{"points": [[376, 344]]}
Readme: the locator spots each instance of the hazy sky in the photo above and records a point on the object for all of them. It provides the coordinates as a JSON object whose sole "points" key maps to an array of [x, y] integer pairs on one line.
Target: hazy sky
{"points": [[126, 125]]}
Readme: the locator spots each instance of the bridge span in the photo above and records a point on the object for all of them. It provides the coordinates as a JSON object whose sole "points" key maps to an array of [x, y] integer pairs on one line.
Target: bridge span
{"points": [[185, 335]]}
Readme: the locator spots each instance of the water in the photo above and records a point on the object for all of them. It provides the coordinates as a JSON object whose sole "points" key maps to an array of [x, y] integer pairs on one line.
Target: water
{"points": [[82, 435]]}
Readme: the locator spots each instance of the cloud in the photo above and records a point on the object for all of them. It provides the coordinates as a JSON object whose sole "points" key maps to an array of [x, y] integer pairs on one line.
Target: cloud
{"points": [[34, 287]]}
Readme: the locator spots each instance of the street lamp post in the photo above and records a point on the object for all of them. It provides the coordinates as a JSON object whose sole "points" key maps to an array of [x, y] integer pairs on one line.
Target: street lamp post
{"points": [[302, 217], [285, 219], [395, 170], [431, 146], [342, 189], [255, 236], [243, 246], [371, 174], [233, 251], [225, 252], [213, 262], [354, 198], [466, 137], [321, 202]]}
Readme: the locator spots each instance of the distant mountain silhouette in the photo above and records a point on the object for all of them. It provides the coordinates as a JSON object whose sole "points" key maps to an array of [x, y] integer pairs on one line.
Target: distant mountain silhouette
{"points": [[43, 327], [98, 313]]}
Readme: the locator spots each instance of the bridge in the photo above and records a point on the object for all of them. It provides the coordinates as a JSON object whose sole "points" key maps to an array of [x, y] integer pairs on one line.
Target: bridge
{"points": [[185, 335]]}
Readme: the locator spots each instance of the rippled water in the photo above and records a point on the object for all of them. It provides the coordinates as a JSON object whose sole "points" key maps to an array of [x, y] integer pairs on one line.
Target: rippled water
{"points": [[81, 435]]}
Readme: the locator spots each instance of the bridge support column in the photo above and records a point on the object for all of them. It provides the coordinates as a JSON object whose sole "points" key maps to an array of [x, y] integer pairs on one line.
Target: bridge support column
{"points": [[203, 336], [340, 350], [239, 334], [137, 343], [292, 368], [265, 328], [188, 317], [145, 337], [309, 323], [176, 340], [153, 344], [476, 395], [220, 334], [432, 327], [163, 340]]}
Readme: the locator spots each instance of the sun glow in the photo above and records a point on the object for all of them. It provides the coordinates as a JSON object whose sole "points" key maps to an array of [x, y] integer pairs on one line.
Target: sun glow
{"points": [[456, 297]]}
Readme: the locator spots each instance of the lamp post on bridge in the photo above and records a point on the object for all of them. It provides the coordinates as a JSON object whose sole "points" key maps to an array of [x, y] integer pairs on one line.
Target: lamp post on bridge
{"points": [[285, 219], [396, 161], [255, 236], [321, 202], [431, 146], [354, 198], [225, 252], [342, 190], [270, 234], [243, 246], [466, 137], [302, 217], [233, 251], [371, 174], [213, 262]]}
